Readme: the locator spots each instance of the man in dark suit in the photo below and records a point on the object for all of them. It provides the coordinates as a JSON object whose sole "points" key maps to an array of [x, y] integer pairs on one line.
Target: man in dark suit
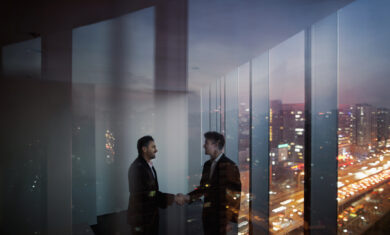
{"points": [[145, 197], [221, 187]]}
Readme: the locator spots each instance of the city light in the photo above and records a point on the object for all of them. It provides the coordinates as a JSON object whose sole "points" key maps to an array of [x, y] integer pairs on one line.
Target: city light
{"points": [[279, 209]]}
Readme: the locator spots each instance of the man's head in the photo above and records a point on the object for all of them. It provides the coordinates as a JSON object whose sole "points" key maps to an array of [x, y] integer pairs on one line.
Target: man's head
{"points": [[146, 147], [214, 143]]}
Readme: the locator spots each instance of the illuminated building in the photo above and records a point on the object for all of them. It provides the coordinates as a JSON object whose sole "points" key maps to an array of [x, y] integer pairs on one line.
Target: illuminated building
{"points": [[365, 126], [347, 128], [383, 120]]}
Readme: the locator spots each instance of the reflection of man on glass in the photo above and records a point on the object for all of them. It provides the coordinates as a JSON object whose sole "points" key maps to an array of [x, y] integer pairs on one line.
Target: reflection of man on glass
{"points": [[145, 197], [221, 187]]}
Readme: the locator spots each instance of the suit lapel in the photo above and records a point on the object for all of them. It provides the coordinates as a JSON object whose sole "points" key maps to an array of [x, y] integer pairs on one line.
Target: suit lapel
{"points": [[215, 172], [155, 173], [207, 171], [147, 168], [216, 169]]}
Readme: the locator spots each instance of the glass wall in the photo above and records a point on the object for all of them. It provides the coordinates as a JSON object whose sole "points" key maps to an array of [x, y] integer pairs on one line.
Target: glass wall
{"points": [[205, 121], [213, 106], [336, 71], [112, 74], [223, 106], [259, 148], [286, 135], [321, 73], [244, 157], [247, 88], [231, 115], [363, 112], [114, 104]]}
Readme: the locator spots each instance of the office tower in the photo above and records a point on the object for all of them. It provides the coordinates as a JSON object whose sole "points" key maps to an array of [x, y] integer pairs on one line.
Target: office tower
{"points": [[383, 122], [365, 126], [347, 128]]}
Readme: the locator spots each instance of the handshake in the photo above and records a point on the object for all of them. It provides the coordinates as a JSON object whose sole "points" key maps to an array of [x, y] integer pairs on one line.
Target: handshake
{"points": [[181, 199]]}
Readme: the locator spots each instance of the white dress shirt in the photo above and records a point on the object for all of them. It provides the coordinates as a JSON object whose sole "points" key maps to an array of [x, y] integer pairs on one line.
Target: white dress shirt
{"points": [[151, 168], [213, 164]]}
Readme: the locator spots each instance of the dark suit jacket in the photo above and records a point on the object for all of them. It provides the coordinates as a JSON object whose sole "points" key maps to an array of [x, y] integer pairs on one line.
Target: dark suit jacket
{"points": [[221, 193], [145, 197]]}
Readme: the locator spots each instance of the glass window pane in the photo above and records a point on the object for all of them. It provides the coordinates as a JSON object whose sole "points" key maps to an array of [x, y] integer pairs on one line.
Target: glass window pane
{"points": [[287, 135], [213, 106], [108, 59], [321, 66], [223, 99], [205, 110], [259, 144], [218, 105], [119, 51], [244, 143], [231, 111], [364, 102]]}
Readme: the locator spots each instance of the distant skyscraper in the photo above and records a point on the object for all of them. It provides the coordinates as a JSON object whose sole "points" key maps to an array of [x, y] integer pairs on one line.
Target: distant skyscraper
{"points": [[287, 124], [374, 127], [294, 130], [365, 125], [383, 123], [347, 128], [347, 125]]}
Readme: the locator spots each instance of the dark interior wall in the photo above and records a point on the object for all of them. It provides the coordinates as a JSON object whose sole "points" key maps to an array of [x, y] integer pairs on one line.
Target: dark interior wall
{"points": [[23, 20], [23, 161], [32, 133]]}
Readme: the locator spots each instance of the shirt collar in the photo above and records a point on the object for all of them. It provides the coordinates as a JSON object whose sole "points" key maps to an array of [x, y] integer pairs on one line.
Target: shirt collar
{"points": [[217, 159], [150, 163]]}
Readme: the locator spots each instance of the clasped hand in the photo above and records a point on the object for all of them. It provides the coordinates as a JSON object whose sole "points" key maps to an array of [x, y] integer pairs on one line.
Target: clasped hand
{"points": [[181, 199]]}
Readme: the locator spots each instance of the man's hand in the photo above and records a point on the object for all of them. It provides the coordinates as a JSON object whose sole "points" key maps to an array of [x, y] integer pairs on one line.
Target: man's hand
{"points": [[181, 199]]}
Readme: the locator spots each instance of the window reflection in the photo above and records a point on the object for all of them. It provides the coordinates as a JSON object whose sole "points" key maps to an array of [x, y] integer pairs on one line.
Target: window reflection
{"points": [[23, 172], [22, 60], [119, 51]]}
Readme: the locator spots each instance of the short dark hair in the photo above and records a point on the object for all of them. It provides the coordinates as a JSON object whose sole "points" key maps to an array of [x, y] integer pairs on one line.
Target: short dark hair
{"points": [[216, 138], [143, 142]]}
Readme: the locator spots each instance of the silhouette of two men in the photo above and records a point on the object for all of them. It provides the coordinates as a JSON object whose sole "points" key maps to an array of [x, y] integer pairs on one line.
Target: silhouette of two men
{"points": [[220, 185]]}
